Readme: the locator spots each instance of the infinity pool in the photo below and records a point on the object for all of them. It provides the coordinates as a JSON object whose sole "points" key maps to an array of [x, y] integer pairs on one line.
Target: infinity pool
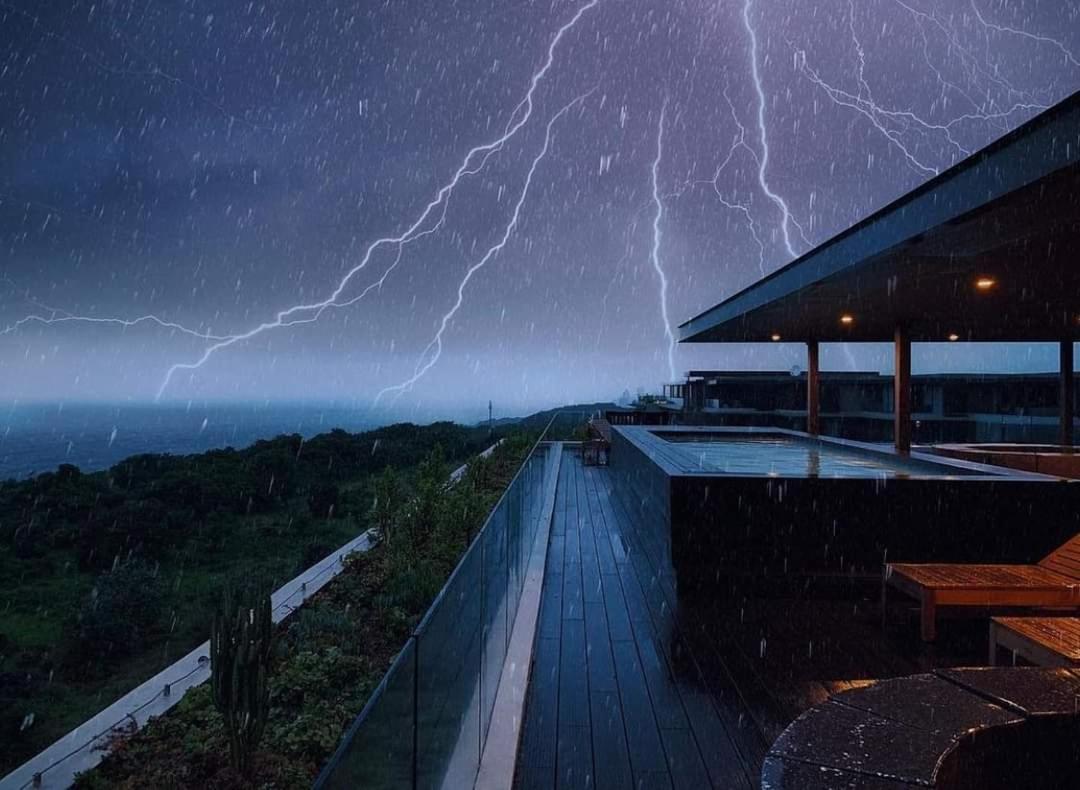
{"points": [[784, 456]]}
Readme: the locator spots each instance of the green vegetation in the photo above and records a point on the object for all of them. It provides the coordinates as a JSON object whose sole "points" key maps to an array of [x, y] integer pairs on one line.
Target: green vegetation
{"points": [[333, 652], [106, 578]]}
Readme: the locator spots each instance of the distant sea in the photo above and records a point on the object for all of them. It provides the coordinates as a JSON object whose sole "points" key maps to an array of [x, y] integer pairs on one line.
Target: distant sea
{"points": [[39, 437]]}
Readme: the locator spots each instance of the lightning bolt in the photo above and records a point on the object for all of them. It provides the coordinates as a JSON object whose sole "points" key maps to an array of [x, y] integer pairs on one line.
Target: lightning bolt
{"points": [[60, 317], [654, 255], [1068, 55], [896, 125], [433, 351], [473, 162], [763, 139], [968, 59], [57, 316], [739, 143]]}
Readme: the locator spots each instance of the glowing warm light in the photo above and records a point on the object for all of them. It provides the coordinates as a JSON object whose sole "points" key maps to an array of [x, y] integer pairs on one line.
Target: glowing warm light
{"points": [[847, 319], [775, 337], [985, 283], [954, 337]]}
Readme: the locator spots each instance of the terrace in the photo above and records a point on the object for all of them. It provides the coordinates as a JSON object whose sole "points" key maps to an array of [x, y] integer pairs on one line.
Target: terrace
{"points": [[696, 616], [757, 557]]}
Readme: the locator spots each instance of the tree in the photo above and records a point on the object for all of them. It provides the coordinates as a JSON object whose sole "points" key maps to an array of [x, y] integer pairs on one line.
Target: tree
{"points": [[124, 605], [323, 500], [241, 646], [387, 504], [430, 486]]}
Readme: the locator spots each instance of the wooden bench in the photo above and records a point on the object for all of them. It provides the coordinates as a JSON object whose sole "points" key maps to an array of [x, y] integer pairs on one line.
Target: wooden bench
{"points": [[1046, 641], [1054, 582]]}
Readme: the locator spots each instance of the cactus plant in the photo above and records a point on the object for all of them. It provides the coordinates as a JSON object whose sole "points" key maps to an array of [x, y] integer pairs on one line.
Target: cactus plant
{"points": [[241, 647]]}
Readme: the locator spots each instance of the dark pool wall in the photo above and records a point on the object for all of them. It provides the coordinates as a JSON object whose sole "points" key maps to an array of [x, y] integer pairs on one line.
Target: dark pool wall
{"points": [[778, 527], [702, 526], [644, 489]]}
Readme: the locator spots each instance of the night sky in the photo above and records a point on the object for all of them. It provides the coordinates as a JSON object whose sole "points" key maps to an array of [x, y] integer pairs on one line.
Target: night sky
{"points": [[214, 163]]}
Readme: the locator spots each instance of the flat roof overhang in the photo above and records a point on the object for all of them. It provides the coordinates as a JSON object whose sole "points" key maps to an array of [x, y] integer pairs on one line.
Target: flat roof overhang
{"points": [[1010, 213]]}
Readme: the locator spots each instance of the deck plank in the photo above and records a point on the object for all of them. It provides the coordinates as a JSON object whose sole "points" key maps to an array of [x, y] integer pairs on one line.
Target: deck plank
{"points": [[629, 707]]}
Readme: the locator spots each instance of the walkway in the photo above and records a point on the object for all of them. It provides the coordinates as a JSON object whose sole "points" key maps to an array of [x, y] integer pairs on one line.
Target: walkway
{"points": [[616, 699]]}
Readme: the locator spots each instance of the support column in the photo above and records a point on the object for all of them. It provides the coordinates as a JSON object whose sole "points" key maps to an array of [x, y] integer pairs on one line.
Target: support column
{"points": [[813, 389], [902, 391], [1068, 394]]}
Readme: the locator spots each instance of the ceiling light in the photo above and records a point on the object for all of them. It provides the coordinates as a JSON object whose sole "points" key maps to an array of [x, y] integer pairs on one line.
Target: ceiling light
{"points": [[775, 337], [985, 283], [847, 319], [953, 337]]}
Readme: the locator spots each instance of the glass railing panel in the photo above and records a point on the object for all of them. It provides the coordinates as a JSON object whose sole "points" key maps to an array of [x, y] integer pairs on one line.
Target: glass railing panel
{"points": [[449, 649], [377, 751], [494, 541]]}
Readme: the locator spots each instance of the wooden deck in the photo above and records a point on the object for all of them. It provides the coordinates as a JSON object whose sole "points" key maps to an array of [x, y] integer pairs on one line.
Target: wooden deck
{"points": [[632, 688]]}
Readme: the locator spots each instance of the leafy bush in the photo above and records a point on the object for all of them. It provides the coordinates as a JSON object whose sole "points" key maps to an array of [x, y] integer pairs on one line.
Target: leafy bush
{"points": [[323, 500], [125, 604]]}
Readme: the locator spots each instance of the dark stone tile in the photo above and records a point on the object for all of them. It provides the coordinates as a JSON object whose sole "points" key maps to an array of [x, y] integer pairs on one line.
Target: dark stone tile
{"points": [[927, 702], [849, 739], [1031, 691], [780, 774]]}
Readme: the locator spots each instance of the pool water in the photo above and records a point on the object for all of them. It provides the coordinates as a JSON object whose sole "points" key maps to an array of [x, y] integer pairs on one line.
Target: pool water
{"points": [[787, 457]]}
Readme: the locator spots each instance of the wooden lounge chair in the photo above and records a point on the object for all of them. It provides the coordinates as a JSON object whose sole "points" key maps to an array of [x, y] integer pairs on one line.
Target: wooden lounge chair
{"points": [[1046, 641], [1054, 582]]}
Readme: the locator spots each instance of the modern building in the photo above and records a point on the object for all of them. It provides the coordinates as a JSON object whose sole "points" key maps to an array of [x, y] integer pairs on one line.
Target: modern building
{"points": [[708, 609], [945, 407], [983, 253]]}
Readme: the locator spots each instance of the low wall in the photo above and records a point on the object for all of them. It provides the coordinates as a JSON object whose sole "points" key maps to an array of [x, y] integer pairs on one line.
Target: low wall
{"points": [[703, 526], [645, 491], [778, 527], [1043, 459]]}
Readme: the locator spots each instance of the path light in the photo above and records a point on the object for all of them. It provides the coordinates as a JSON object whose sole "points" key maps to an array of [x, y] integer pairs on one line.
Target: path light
{"points": [[985, 283]]}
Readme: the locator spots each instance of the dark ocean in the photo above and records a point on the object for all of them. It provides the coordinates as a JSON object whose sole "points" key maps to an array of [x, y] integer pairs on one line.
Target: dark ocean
{"points": [[39, 437]]}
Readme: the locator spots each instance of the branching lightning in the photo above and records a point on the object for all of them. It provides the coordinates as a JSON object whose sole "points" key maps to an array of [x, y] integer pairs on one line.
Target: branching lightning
{"points": [[763, 138], [54, 315], [1068, 55], [895, 125], [305, 313], [518, 118], [433, 351], [928, 141]]}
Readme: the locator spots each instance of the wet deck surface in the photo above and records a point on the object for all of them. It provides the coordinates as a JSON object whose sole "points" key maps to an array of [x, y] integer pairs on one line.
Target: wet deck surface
{"points": [[631, 688]]}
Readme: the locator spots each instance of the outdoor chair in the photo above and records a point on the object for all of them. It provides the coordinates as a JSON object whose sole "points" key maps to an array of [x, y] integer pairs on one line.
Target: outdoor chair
{"points": [[1053, 582]]}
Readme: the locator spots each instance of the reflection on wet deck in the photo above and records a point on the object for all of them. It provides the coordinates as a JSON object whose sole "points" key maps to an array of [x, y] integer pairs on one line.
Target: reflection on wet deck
{"points": [[632, 687]]}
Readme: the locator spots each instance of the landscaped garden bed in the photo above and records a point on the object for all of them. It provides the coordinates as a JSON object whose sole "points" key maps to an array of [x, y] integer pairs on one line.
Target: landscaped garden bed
{"points": [[108, 577], [332, 653]]}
